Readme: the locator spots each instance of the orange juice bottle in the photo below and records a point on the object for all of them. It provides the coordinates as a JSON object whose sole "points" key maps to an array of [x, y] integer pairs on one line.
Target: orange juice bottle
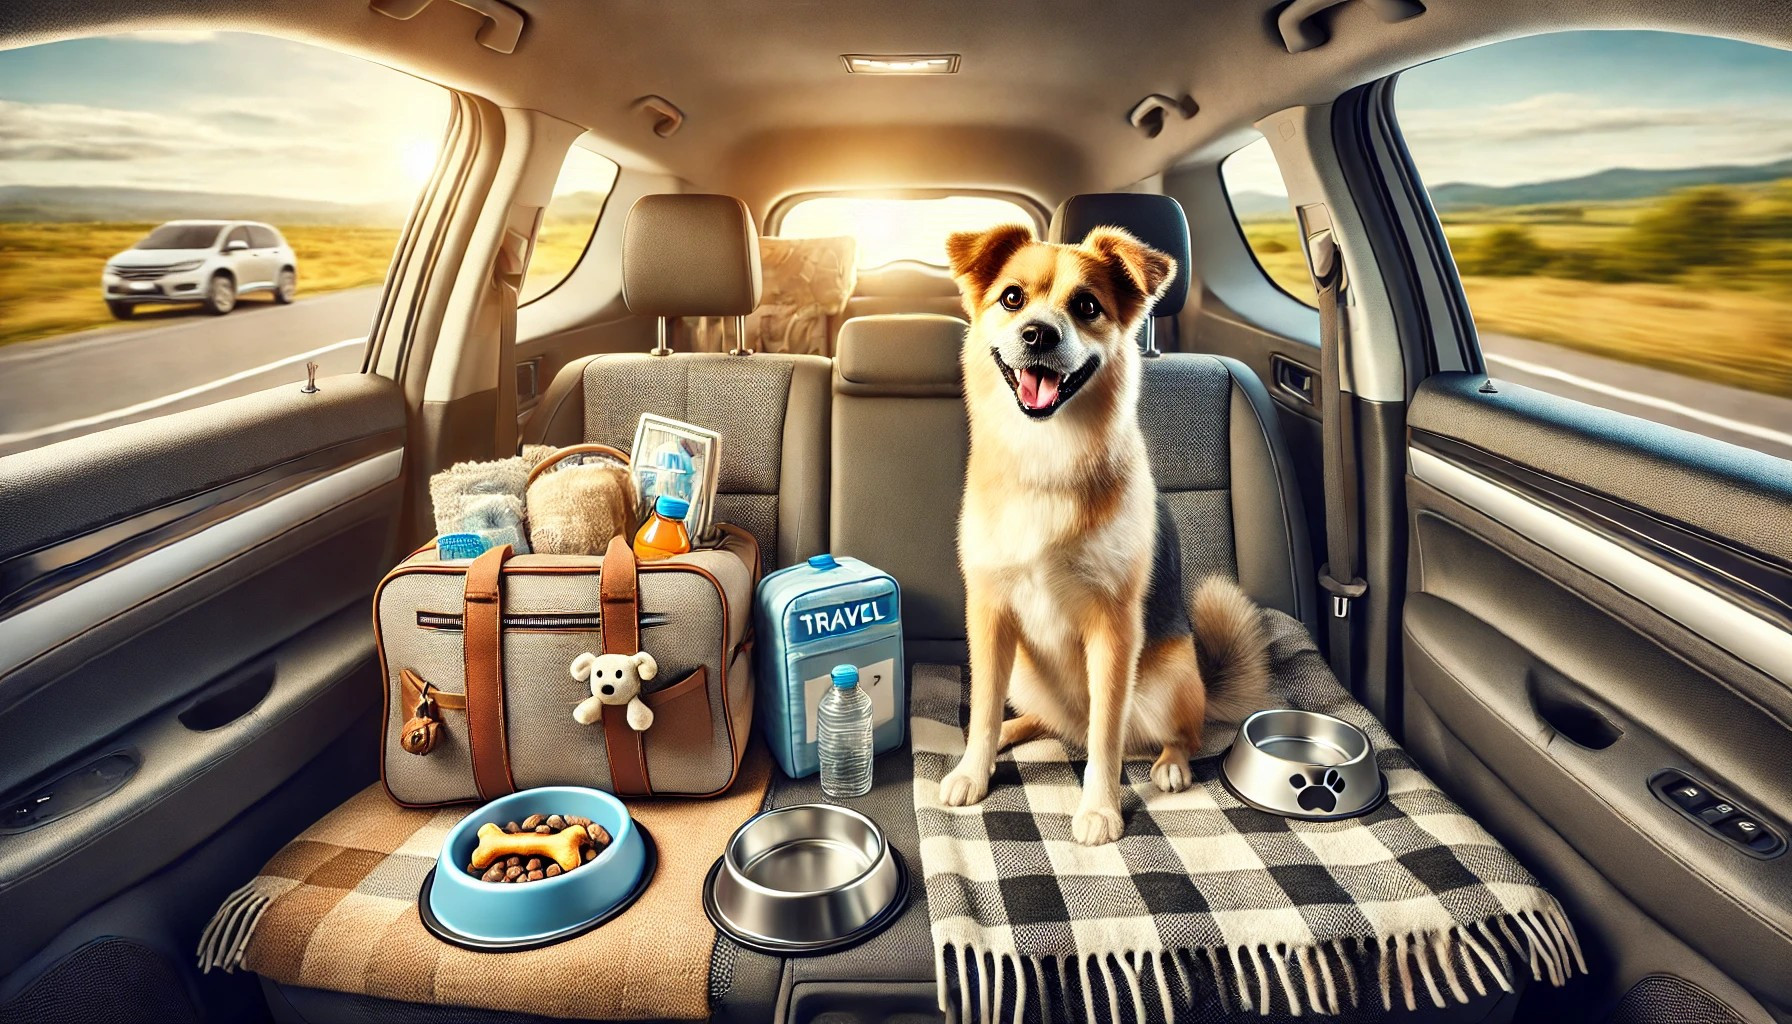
{"points": [[663, 534]]}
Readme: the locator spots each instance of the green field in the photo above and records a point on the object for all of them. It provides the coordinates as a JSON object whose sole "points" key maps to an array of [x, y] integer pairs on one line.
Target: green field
{"points": [[1698, 282], [50, 273]]}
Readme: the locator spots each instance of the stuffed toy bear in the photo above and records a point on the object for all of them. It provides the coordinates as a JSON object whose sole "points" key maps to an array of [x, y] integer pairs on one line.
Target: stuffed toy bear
{"points": [[615, 679], [575, 510]]}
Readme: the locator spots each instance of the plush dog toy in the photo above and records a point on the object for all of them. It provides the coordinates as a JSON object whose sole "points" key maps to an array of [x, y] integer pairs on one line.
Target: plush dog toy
{"points": [[575, 510], [615, 679]]}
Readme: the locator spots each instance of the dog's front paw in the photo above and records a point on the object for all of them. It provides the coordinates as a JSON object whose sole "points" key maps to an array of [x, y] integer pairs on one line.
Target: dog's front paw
{"points": [[965, 785], [1096, 826], [1170, 776]]}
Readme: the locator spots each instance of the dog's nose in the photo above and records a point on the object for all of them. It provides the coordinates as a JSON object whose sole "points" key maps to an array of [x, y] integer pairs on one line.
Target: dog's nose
{"points": [[608, 689], [1039, 337]]}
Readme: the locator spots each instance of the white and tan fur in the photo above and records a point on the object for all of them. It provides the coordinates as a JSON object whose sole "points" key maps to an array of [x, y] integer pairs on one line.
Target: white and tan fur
{"points": [[1059, 528]]}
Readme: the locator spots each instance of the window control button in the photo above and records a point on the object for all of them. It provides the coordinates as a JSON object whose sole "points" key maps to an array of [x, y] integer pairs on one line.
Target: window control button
{"points": [[1717, 812], [1744, 830], [1689, 795]]}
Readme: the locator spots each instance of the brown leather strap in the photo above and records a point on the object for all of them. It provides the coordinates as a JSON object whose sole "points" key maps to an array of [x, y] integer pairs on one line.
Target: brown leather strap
{"points": [[482, 635], [415, 686], [618, 590]]}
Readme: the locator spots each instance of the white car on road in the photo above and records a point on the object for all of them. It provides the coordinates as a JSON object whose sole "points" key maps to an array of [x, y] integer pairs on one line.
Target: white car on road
{"points": [[209, 262]]}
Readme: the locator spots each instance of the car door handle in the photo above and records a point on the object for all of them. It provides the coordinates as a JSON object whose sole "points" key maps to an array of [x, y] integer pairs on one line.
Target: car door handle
{"points": [[1294, 380]]}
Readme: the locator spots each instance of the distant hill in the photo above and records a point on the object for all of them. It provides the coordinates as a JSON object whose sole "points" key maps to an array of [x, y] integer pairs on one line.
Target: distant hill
{"points": [[1613, 184], [61, 203]]}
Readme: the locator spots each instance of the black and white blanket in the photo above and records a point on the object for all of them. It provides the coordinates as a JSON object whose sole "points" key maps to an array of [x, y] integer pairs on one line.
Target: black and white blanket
{"points": [[1206, 901]]}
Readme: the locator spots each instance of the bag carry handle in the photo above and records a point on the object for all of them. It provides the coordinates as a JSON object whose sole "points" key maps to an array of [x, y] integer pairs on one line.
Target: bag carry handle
{"points": [[619, 594], [482, 614], [576, 449]]}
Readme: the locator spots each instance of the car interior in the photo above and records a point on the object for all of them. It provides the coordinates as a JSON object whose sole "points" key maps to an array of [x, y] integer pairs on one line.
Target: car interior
{"points": [[1567, 616]]}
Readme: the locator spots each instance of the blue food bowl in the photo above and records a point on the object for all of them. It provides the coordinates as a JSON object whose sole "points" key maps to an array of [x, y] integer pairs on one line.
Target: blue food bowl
{"points": [[500, 916]]}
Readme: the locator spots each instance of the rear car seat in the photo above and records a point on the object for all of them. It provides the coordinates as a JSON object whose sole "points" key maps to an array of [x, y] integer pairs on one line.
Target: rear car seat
{"points": [[698, 255], [899, 447]]}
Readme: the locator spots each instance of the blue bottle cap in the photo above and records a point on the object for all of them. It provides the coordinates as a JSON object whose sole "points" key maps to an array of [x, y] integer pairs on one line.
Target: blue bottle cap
{"points": [[845, 675], [823, 561], [672, 508]]}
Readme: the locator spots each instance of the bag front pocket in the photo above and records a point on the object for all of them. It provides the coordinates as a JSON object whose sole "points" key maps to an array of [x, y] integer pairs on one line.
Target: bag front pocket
{"points": [[684, 754]]}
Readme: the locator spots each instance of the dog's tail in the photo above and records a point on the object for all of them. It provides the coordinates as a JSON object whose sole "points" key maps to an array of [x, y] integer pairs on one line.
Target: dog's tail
{"points": [[1232, 649]]}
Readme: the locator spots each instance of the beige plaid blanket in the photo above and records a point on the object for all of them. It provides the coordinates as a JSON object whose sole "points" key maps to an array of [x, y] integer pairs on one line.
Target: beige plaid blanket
{"points": [[337, 909]]}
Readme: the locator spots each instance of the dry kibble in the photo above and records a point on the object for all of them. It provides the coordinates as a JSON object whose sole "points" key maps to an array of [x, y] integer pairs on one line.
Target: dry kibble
{"points": [[543, 830], [512, 873], [495, 873], [556, 822], [590, 854], [552, 870], [535, 876], [512, 827], [598, 834], [574, 819], [518, 868], [532, 864], [533, 820], [513, 861]]}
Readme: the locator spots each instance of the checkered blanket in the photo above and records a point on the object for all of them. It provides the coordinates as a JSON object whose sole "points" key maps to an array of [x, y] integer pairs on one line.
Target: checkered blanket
{"points": [[336, 909], [1206, 901]]}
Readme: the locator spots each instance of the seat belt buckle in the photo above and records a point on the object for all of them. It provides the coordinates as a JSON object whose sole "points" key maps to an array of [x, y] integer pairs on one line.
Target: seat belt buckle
{"points": [[1342, 592]]}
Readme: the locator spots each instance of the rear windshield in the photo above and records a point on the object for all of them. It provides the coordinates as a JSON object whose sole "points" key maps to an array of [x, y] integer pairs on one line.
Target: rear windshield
{"points": [[889, 230], [181, 236]]}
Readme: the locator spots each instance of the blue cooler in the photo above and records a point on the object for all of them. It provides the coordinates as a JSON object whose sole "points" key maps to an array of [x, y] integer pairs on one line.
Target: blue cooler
{"points": [[830, 611]]}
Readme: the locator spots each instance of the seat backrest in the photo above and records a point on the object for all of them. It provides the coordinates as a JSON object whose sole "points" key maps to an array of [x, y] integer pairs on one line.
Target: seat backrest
{"points": [[770, 410], [904, 287], [899, 447], [806, 285]]}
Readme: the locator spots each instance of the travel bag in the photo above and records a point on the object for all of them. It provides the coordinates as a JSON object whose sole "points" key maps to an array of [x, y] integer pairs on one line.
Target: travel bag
{"points": [[813, 616], [477, 660]]}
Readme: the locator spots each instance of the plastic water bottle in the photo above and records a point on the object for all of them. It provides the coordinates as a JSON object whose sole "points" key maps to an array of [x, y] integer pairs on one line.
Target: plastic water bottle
{"points": [[843, 734]]}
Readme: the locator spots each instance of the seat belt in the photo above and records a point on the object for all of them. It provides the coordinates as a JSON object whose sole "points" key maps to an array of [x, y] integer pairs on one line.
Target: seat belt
{"points": [[1341, 576], [507, 275]]}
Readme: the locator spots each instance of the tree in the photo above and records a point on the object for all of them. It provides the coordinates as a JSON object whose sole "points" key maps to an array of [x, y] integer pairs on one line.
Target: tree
{"points": [[1504, 252], [1697, 227]]}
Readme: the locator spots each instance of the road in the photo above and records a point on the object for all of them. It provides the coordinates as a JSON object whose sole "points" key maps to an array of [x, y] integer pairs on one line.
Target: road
{"points": [[65, 387], [181, 359]]}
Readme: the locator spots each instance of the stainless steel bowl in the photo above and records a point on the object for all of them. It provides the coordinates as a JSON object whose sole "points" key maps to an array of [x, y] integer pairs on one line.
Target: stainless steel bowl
{"points": [[809, 877], [1302, 764]]}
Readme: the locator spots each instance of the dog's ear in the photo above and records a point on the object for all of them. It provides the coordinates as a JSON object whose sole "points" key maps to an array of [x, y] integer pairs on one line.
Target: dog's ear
{"points": [[976, 257], [645, 667], [1136, 265], [582, 665]]}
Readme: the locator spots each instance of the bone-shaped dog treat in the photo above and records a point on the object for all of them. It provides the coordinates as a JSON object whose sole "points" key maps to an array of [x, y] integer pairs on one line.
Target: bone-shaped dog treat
{"points": [[563, 846]]}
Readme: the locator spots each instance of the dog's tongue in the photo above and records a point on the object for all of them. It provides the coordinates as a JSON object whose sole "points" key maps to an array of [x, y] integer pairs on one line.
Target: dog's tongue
{"points": [[1038, 389]]}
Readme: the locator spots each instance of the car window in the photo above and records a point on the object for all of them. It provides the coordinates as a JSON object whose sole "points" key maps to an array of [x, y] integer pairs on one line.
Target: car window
{"points": [[1259, 201], [1623, 235], [893, 229], [122, 160], [236, 235], [580, 193]]}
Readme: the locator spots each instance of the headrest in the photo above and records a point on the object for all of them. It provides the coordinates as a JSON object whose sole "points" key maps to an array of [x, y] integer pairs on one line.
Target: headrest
{"points": [[1155, 220], [690, 255], [900, 353]]}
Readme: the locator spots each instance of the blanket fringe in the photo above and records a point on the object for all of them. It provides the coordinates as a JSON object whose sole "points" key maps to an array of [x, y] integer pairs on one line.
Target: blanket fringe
{"points": [[996, 986], [226, 936]]}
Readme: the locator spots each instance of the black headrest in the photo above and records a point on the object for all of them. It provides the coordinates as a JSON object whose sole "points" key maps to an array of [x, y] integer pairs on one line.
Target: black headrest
{"points": [[1155, 220]]}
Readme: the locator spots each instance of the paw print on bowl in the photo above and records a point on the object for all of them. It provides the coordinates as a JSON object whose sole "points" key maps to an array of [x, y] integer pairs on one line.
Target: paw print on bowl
{"points": [[1317, 792]]}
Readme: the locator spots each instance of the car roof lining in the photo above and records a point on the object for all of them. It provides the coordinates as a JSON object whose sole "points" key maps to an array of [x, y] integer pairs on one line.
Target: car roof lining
{"points": [[1038, 107]]}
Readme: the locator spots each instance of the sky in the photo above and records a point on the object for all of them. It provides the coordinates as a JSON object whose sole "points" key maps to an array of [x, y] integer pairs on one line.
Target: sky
{"points": [[1564, 105], [216, 112]]}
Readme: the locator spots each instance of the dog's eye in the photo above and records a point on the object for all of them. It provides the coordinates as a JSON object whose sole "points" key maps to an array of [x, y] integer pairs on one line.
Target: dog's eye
{"points": [[1085, 307], [619, 673], [1013, 298]]}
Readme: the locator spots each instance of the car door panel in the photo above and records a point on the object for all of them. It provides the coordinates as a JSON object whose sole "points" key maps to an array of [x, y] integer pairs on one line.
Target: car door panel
{"points": [[1593, 600], [191, 590]]}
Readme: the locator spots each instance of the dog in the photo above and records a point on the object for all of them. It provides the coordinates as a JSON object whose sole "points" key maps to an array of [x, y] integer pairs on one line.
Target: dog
{"points": [[1075, 612]]}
